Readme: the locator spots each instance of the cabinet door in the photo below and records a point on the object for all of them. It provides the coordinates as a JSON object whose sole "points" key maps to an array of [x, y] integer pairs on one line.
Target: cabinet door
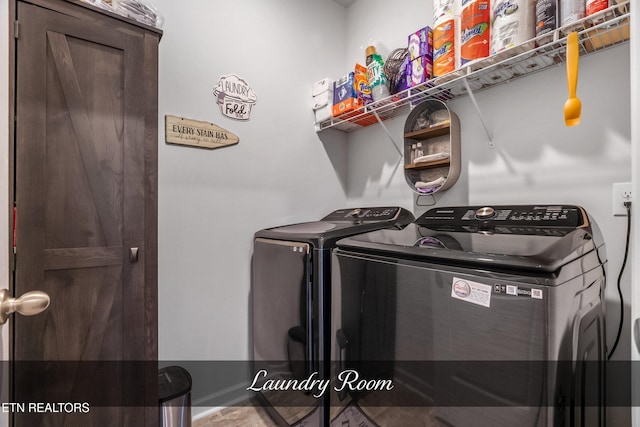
{"points": [[80, 196]]}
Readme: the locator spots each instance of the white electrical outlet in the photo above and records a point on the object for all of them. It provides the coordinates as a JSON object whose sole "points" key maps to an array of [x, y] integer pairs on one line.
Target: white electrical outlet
{"points": [[621, 194]]}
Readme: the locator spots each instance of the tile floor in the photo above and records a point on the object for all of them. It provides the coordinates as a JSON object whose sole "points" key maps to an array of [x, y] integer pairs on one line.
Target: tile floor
{"points": [[239, 416]]}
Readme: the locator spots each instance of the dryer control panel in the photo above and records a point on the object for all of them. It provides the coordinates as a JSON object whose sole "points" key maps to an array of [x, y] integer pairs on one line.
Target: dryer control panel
{"points": [[363, 214], [528, 216]]}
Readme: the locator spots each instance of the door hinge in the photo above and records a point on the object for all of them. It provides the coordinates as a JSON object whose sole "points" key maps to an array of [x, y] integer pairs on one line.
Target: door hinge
{"points": [[16, 28]]}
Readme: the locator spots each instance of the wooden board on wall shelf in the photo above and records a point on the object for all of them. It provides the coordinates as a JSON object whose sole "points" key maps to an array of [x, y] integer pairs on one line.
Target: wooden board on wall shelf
{"points": [[429, 132], [195, 133], [424, 165]]}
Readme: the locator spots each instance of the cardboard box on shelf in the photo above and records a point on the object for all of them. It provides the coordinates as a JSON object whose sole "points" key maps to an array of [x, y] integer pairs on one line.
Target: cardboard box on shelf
{"points": [[345, 98], [346, 104], [605, 37], [321, 85], [362, 120], [421, 43], [323, 113], [419, 71], [323, 99]]}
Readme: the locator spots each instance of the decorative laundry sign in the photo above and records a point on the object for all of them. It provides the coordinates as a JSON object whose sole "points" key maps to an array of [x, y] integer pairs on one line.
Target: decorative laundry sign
{"points": [[196, 133], [235, 97]]}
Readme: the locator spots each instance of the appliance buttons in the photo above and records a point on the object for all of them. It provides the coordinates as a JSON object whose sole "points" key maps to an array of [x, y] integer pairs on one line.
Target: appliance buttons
{"points": [[485, 213]]}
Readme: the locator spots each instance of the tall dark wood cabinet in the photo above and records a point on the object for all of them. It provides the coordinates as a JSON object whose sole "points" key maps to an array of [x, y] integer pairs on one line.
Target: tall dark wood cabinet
{"points": [[85, 189]]}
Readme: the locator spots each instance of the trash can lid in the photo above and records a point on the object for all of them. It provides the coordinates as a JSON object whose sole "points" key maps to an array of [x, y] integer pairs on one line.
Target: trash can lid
{"points": [[173, 381]]}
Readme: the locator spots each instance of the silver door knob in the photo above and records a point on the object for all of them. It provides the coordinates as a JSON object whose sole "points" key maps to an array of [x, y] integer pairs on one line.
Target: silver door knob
{"points": [[28, 304]]}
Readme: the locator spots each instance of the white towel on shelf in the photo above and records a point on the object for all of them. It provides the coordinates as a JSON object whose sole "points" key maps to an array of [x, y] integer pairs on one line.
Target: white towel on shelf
{"points": [[430, 185], [431, 157]]}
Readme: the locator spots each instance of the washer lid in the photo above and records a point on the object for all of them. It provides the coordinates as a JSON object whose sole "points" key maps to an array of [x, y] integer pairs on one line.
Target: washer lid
{"points": [[513, 237]]}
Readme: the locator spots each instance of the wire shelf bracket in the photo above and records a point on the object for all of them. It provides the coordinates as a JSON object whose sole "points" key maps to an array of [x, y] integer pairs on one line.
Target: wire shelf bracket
{"points": [[477, 107], [391, 138]]}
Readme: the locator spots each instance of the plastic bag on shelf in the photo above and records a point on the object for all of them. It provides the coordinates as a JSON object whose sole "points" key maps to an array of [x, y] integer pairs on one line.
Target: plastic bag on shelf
{"points": [[103, 4], [140, 10]]}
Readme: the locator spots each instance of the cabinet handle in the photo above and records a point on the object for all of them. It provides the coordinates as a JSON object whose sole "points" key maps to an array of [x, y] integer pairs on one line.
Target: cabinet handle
{"points": [[133, 255]]}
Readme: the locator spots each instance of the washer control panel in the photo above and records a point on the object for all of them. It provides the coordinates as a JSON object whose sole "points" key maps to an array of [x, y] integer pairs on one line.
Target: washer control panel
{"points": [[565, 216], [363, 214]]}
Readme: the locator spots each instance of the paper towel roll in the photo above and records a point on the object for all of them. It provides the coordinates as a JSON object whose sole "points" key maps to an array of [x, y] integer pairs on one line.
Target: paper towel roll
{"points": [[595, 6], [444, 8], [571, 11], [475, 31], [547, 16], [512, 23], [446, 45]]}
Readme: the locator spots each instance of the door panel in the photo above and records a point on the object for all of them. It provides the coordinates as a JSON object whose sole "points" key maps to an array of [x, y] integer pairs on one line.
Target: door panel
{"points": [[5, 12], [80, 200], [283, 324]]}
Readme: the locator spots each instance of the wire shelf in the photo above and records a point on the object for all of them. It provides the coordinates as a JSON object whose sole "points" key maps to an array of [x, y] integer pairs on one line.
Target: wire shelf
{"points": [[605, 29]]}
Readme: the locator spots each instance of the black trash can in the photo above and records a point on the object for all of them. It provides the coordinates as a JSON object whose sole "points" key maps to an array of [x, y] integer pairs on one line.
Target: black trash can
{"points": [[174, 387]]}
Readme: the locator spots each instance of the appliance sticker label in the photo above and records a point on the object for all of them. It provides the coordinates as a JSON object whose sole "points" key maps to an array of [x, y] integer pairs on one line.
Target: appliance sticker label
{"points": [[536, 293], [517, 291], [473, 292]]}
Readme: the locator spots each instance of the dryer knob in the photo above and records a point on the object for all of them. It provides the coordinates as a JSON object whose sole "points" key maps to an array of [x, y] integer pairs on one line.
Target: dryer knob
{"points": [[485, 213]]}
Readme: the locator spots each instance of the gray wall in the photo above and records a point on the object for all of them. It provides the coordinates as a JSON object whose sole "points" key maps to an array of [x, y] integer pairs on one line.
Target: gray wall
{"points": [[211, 202], [536, 159]]}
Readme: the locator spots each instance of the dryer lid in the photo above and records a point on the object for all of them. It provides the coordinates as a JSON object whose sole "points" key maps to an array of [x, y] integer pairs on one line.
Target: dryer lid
{"points": [[340, 223]]}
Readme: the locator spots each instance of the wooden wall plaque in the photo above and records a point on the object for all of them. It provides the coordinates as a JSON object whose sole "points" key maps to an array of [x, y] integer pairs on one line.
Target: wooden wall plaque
{"points": [[195, 133]]}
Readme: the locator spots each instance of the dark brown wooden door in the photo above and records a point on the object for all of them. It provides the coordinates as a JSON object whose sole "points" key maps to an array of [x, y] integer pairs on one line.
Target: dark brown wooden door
{"points": [[80, 197]]}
